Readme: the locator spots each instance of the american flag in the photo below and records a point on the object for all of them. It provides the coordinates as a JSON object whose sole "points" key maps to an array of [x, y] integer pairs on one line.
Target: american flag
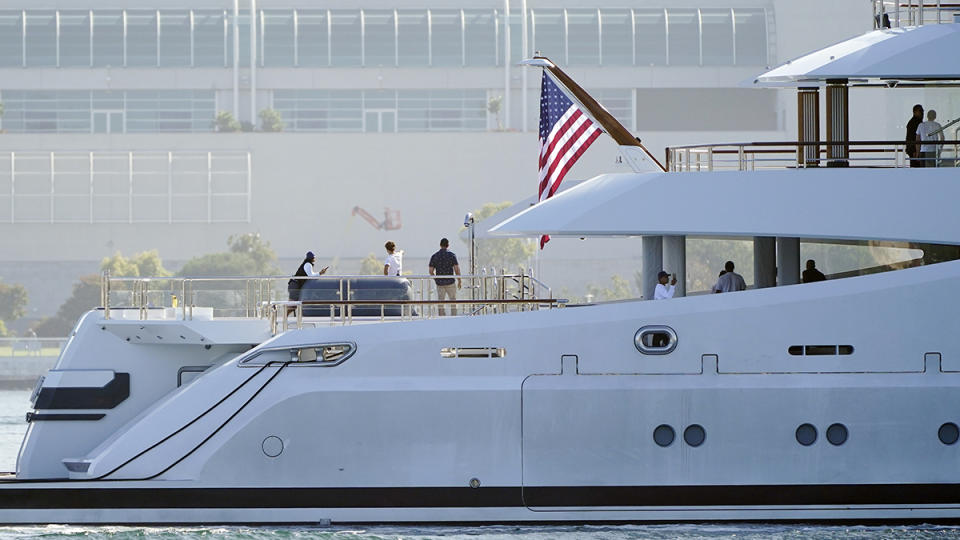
{"points": [[565, 134]]}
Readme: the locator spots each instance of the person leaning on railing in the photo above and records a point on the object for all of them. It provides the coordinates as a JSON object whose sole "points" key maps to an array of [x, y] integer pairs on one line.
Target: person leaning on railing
{"points": [[305, 269]]}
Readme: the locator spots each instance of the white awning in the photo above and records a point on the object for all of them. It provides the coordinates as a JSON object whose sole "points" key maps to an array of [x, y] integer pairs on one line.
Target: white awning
{"points": [[917, 53], [829, 204]]}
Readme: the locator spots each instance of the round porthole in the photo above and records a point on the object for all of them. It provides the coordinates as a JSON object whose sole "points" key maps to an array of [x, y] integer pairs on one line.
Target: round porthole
{"points": [[694, 435], [948, 433], [663, 435], [837, 434], [272, 446], [806, 434]]}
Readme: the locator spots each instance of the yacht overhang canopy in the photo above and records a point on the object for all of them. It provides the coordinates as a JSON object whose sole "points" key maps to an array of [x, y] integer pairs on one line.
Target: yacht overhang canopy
{"points": [[916, 53], [823, 204]]}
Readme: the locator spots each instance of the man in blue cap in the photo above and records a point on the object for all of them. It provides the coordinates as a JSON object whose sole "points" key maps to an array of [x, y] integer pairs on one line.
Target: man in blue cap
{"points": [[305, 269]]}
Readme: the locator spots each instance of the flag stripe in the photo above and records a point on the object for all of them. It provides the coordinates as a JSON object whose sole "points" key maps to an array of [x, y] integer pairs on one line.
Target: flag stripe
{"points": [[565, 134]]}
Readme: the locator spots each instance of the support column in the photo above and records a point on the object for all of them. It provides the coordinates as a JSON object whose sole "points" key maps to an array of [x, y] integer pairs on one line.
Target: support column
{"points": [[764, 262], [838, 123], [808, 126], [675, 261], [788, 261], [254, 21], [652, 247]]}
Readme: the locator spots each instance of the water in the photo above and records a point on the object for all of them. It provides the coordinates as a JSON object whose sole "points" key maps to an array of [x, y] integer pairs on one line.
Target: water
{"points": [[14, 403]]}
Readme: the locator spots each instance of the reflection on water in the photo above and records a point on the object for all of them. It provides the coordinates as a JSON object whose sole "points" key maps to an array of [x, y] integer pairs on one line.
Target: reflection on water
{"points": [[15, 403]]}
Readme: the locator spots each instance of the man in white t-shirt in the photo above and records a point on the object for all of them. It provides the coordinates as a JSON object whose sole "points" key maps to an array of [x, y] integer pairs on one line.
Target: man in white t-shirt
{"points": [[393, 263], [928, 152], [662, 290]]}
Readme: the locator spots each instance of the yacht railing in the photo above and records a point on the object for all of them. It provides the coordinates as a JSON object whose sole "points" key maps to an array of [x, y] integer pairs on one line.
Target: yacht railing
{"points": [[897, 13], [144, 298], [750, 156]]}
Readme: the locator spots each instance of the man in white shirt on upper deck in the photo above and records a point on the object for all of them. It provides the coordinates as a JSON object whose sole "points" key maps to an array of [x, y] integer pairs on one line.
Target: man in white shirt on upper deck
{"points": [[662, 290], [925, 132], [393, 263]]}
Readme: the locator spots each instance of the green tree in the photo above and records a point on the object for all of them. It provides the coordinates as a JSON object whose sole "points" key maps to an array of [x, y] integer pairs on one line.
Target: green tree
{"points": [[270, 120], [247, 255], [493, 107], [371, 266], [618, 289], [13, 301], [498, 253], [224, 122], [86, 296]]}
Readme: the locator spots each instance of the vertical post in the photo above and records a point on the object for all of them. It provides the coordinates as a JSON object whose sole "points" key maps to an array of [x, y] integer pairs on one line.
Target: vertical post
{"points": [[675, 261], [53, 183], [129, 187], [838, 126], [90, 188], [808, 126], [764, 261], [652, 252], [524, 53], [236, 59], [13, 182], [506, 64], [209, 187], [253, 62], [788, 261], [169, 187]]}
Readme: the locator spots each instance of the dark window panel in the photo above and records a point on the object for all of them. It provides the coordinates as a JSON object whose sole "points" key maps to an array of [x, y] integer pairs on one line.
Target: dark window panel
{"points": [[717, 35], [141, 38], [412, 38], [480, 36], [74, 38], [379, 38], [345, 38], [41, 39], [651, 37], [617, 36], [447, 32], [684, 37], [208, 38], [751, 37], [174, 38], [278, 38], [312, 38], [11, 39]]}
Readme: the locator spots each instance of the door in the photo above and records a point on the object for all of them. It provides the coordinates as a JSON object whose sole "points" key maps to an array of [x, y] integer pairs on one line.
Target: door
{"points": [[380, 121], [107, 121]]}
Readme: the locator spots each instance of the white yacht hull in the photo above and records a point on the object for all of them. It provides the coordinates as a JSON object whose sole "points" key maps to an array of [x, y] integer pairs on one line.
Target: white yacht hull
{"points": [[562, 427]]}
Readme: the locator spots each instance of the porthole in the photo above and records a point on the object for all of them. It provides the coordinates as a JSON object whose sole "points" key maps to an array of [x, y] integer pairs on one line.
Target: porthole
{"points": [[655, 340], [837, 434], [806, 434], [694, 435], [272, 446], [948, 433], [663, 435]]}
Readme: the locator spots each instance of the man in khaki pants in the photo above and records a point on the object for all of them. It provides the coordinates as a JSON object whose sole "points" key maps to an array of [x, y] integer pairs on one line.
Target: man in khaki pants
{"points": [[444, 263]]}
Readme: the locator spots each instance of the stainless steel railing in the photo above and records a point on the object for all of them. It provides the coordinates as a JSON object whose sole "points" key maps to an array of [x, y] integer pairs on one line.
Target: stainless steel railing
{"points": [[260, 296], [750, 156], [897, 13]]}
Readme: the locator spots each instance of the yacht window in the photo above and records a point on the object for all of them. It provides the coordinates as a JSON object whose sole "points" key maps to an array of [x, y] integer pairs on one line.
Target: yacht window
{"points": [[322, 354], [655, 340], [819, 350], [473, 352]]}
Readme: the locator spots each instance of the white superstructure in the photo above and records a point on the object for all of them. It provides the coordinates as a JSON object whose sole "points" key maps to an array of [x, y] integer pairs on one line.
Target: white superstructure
{"points": [[828, 400]]}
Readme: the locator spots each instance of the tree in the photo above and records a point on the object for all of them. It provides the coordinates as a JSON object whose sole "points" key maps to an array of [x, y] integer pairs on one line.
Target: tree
{"points": [[13, 302], [86, 296], [224, 122], [499, 253], [371, 266], [493, 107], [270, 120], [246, 255]]}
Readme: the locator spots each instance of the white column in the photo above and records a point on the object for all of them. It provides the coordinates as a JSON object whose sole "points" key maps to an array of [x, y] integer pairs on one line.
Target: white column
{"points": [[675, 261], [236, 59], [652, 263], [788, 261], [764, 262], [253, 62], [506, 64], [524, 53]]}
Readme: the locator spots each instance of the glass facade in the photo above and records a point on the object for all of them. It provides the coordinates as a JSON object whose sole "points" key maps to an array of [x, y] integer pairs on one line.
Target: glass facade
{"points": [[382, 37], [84, 111], [382, 110]]}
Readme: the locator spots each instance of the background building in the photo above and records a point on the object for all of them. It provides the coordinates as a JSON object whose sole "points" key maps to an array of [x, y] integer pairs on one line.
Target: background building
{"points": [[109, 136]]}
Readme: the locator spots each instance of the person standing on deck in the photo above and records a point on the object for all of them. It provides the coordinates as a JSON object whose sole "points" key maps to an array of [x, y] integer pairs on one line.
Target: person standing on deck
{"points": [[393, 263], [811, 274], [912, 149], [662, 291], [305, 269], [730, 281], [444, 263], [928, 152]]}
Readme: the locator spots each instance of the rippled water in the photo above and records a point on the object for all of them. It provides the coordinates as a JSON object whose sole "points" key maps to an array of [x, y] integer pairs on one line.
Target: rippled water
{"points": [[13, 405]]}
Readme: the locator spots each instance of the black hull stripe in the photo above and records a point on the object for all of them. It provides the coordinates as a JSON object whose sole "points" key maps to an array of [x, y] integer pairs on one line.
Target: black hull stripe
{"points": [[16, 495]]}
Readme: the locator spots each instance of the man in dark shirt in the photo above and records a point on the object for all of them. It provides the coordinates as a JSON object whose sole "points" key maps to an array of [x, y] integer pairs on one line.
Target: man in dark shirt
{"points": [[444, 263], [913, 150], [811, 274]]}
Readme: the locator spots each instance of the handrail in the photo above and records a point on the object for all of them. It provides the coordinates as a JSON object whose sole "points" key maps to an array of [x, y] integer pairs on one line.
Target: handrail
{"points": [[249, 296], [898, 13], [796, 154]]}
